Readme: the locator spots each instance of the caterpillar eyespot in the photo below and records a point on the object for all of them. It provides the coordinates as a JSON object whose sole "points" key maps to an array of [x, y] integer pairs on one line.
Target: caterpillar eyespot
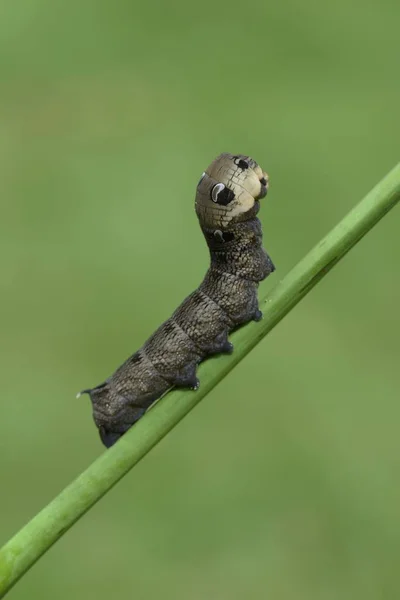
{"points": [[217, 189], [221, 194], [223, 236], [241, 163], [199, 327]]}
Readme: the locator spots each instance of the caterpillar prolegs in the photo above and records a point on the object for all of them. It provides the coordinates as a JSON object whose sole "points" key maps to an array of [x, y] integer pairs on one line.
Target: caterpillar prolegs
{"points": [[227, 202]]}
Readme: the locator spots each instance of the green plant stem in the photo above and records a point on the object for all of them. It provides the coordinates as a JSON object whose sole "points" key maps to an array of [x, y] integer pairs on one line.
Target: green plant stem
{"points": [[26, 547]]}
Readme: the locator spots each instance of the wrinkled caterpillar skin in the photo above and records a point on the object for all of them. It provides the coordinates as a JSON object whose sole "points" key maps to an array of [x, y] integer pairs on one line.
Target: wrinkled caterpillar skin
{"points": [[227, 202]]}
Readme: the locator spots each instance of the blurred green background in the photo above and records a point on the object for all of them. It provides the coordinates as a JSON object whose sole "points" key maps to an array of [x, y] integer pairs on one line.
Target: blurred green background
{"points": [[284, 483]]}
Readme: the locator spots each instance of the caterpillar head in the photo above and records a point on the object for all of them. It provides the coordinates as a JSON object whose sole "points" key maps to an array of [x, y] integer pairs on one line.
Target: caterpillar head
{"points": [[229, 191]]}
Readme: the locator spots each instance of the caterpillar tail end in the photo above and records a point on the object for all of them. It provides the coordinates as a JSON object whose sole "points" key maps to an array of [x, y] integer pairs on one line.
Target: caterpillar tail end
{"points": [[79, 394]]}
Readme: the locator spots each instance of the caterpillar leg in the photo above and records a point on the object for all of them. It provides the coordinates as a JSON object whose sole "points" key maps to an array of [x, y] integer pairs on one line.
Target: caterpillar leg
{"points": [[226, 348], [186, 378], [257, 315], [220, 345], [122, 400], [110, 436], [192, 382]]}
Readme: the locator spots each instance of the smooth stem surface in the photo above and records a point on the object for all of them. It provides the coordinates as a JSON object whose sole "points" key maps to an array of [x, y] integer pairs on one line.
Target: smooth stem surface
{"points": [[24, 549]]}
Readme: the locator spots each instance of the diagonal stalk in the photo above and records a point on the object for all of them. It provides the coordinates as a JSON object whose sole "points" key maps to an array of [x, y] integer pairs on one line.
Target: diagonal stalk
{"points": [[35, 538]]}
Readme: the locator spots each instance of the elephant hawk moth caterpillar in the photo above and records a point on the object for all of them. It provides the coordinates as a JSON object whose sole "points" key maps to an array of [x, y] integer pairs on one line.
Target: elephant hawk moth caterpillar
{"points": [[227, 203]]}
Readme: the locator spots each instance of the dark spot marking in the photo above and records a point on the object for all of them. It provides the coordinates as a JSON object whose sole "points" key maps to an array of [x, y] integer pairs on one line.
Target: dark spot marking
{"points": [[222, 197], [242, 164], [168, 327], [263, 192], [228, 236], [136, 358], [223, 236]]}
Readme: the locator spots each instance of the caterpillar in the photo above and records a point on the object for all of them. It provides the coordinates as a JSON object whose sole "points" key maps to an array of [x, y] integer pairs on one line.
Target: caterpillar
{"points": [[227, 203]]}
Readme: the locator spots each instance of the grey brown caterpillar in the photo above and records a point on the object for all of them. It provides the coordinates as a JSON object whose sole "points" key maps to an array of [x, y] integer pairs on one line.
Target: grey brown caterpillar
{"points": [[227, 202]]}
